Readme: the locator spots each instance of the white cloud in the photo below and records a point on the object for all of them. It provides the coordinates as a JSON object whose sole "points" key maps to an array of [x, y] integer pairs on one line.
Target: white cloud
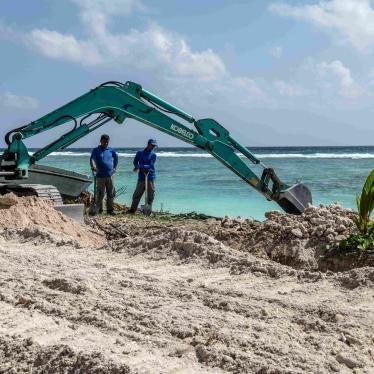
{"points": [[205, 64], [96, 14], [63, 47], [7, 32], [8, 99], [350, 20], [249, 85], [176, 68], [276, 51], [154, 49], [347, 86], [288, 89]]}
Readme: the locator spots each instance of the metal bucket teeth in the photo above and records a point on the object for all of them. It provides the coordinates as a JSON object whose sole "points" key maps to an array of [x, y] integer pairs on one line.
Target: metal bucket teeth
{"points": [[295, 199]]}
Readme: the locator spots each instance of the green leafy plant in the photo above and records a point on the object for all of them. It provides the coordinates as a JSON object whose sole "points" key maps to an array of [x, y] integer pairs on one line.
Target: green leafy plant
{"points": [[365, 205], [362, 241], [357, 242]]}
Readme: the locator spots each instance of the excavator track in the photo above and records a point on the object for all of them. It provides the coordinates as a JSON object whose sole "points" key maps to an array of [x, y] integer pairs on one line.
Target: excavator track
{"points": [[46, 192]]}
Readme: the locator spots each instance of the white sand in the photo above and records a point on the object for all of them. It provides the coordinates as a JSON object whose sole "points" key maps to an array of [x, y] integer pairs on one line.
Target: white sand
{"points": [[170, 299], [30, 216]]}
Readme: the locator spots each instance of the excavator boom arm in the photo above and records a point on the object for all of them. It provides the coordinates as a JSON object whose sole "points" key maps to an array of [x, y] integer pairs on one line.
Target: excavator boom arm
{"points": [[117, 101]]}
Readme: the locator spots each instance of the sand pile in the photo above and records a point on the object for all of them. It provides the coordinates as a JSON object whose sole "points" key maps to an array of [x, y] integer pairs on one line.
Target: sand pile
{"points": [[33, 218], [186, 246], [297, 241], [179, 244], [30, 357]]}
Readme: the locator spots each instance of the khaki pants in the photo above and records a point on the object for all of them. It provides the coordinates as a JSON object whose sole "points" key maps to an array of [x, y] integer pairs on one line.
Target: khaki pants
{"points": [[102, 185], [138, 193]]}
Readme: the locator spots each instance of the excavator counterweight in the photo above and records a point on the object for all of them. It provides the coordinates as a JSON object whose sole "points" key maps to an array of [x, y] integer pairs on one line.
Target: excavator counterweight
{"points": [[118, 101]]}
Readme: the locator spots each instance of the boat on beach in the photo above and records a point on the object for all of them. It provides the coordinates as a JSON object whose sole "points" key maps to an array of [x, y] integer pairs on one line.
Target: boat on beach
{"points": [[68, 183]]}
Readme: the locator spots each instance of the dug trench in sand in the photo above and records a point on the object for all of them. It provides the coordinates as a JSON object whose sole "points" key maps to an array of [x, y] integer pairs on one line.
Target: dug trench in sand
{"points": [[210, 296]]}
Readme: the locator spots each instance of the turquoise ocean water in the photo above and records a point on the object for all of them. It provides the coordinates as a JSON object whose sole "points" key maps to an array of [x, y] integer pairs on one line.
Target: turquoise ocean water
{"points": [[190, 180]]}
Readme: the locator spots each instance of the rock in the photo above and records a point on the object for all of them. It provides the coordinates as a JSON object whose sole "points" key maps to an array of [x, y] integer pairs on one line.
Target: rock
{"points": [[297, 233], [271, 226], [202, 353], [256, 224], [339, 238], [181, 350], [338, 317], [329, 231], [341, 228], [273, 214], [318, 221], [352, 340], [320, 231], [227, 359], [335, 368], [342, 338], [29, 342], [8, 200], [330, 238], [349, 361]]}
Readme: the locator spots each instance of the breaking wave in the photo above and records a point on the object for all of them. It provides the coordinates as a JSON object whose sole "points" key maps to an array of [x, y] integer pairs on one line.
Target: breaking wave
{"points": [[259, 155], [317, 155]]}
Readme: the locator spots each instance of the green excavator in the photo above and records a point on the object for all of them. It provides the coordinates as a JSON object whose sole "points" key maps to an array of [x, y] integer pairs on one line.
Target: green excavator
{"points": [[118, 101]]}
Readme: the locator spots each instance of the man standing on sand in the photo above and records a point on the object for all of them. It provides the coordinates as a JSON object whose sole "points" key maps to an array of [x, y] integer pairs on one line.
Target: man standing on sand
{"points": [[144, 163], [104, 161]]}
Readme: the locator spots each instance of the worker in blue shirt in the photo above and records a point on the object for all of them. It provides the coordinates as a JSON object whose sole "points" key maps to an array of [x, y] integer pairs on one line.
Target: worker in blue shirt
{"points": [[104, 161], [144, 163]]}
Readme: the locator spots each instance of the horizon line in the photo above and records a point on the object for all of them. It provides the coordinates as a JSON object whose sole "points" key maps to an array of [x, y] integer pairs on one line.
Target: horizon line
{"points": [[252, 146]]}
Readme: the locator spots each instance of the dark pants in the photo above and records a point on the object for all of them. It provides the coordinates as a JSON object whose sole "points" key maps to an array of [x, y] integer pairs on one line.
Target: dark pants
{"points": [[138, 193], [102, 185]]}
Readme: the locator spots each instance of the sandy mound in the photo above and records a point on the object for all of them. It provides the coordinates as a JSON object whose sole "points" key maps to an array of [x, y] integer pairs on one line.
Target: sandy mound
{"points": [[303, 242], [182, 245], [298, 241], [32, 358], [31, 218], [185, 246]]}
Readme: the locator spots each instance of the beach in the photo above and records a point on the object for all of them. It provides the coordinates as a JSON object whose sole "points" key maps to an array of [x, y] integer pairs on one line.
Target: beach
{"points": [[150, 295], [187, 187]]}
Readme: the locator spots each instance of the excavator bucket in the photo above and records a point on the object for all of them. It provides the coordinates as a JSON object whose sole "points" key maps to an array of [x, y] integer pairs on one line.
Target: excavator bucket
{"points": [[295, 199]]}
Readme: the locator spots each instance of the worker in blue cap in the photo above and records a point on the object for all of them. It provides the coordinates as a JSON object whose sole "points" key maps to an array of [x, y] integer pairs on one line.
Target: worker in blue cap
{"points": [[144, 164]]}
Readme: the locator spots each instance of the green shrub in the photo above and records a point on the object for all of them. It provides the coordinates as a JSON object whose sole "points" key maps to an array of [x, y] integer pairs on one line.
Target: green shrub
{"points": [[365, 205], [357, 242], [363, 240]]}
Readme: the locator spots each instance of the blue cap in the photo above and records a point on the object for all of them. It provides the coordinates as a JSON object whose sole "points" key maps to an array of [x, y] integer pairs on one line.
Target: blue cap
{"points": [[152, 142]]}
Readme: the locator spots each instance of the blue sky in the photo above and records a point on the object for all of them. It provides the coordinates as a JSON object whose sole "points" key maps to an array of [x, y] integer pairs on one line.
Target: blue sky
{"points": [[272, 72]]}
